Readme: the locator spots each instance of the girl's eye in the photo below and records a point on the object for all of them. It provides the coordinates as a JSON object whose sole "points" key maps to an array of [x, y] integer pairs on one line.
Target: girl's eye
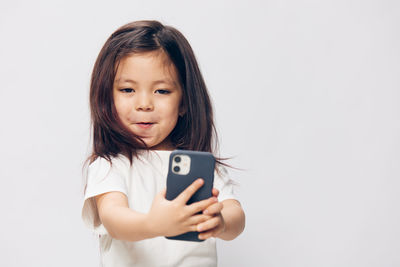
{"points": [[163, 91], [127, 90]]}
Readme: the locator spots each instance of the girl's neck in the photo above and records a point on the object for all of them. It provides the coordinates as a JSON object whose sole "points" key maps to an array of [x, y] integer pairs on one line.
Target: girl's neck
{"points": [[164, 145]]}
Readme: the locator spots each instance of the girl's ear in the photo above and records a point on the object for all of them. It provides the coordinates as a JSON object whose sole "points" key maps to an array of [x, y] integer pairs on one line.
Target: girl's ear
{"points": [[182, 110]]}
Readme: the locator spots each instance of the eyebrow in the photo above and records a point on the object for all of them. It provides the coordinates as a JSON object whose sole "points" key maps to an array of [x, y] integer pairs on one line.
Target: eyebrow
{"points": [[155, 82]]}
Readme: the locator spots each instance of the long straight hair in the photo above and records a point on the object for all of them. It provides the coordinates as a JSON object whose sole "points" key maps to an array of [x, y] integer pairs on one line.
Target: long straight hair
{"points": [[195, 130]]}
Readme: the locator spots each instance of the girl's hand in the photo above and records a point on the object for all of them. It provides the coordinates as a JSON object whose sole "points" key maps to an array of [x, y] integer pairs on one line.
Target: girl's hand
{"points": [[214, 225], [170, 218]]}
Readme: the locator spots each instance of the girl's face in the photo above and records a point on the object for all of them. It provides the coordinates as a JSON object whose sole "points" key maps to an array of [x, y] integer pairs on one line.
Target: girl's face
{"points": [[147, 97]]}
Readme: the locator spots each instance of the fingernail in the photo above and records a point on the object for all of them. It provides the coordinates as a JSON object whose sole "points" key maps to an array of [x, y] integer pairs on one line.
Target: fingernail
{"points": [[199, 228], [205, 212]]}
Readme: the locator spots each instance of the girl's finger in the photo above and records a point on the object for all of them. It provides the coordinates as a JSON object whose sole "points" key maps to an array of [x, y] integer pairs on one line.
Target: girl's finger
{"points": [[196, 219], [201, 205], [215, 192], [209, 224], [191, 228], [206, 235], [214, 209], [189, 191], [210, 233]]}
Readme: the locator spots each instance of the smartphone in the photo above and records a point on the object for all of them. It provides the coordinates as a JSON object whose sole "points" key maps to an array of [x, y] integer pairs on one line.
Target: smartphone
{"points": [[186, 166]]}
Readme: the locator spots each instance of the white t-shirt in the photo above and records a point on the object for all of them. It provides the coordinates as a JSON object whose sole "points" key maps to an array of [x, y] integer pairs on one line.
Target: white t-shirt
{"points": [[140, 182]]}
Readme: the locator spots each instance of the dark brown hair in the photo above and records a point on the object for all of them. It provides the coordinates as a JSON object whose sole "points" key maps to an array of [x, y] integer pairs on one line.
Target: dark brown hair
{"points": [[194, 130]]}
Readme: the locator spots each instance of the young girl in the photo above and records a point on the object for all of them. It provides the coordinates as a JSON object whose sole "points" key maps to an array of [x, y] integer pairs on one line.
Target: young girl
{"points": [[147, 98]]}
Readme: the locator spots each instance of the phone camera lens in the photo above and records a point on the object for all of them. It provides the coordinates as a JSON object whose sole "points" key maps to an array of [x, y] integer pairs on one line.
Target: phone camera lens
{"points": [[178, 159], [177, 169]]}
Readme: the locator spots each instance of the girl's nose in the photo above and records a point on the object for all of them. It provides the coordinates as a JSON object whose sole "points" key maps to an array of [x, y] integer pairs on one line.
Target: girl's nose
{"points": [[144, 103]]}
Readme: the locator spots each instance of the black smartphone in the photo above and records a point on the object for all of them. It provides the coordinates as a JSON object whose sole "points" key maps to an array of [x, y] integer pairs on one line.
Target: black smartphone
{"points": [[186, 166]]}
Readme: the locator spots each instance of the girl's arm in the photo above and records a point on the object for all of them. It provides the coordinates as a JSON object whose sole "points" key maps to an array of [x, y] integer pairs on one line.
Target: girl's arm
{"points": [[165, 218], [234, 218], [227, 223], [120, 221]]}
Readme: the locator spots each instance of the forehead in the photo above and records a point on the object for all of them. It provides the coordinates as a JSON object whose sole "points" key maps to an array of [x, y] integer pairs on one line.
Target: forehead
{"points": [[145, 67]]}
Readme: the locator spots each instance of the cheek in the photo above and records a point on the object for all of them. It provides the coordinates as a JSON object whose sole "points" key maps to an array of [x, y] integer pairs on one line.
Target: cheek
{"points": [[170, 108], [123, 109], [175, 114], [121, 105]]}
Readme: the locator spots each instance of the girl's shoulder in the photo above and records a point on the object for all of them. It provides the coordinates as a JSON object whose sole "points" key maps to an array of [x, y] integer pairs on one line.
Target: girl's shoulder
{"points": [[119, 160], [101, 166], [221, 169]]}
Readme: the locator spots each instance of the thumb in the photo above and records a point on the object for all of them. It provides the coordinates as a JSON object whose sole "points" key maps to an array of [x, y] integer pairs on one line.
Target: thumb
{"points": [[163, 192]]}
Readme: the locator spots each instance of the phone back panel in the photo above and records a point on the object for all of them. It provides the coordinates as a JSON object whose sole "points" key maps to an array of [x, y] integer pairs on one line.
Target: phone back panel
{"points": [[202, 165]]}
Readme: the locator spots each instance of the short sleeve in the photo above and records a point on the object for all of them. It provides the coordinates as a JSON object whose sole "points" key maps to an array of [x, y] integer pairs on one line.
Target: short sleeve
{"points": [[224, 184], [102, 177]]}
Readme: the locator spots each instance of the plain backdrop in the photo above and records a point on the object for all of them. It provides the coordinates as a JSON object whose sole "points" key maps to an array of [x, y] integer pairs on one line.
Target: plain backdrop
{"points": [[307, 102]]}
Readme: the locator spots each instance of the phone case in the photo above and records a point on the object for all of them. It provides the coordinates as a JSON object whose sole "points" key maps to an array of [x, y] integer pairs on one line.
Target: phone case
{"points": [[202, 165]]}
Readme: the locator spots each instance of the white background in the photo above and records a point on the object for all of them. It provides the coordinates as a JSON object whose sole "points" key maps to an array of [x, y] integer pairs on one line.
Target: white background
{"points": [[307, 98]]}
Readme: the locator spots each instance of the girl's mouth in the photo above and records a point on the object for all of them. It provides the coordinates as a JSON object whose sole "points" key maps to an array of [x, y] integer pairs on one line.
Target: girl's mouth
{"points": [[144, 125]]}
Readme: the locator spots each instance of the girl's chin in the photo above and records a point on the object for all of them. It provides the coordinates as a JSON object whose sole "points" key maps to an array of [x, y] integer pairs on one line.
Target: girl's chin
{"points": [[155, 144]]}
